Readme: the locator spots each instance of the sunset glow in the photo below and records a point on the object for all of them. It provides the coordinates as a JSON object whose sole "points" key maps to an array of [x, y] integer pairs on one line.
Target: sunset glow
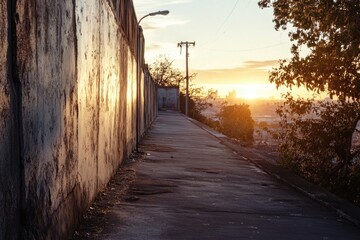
{"points": [[252, 91], [230, 53], [258, 91], [247, 90]]}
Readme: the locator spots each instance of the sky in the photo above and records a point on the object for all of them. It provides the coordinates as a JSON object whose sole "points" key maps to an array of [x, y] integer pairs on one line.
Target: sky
{"points": [[236, 43]]}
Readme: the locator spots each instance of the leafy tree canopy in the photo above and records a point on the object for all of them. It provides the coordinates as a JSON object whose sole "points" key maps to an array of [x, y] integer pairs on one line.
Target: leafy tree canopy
{"points": [[236, 122], [330, 30], [165, 74], [316, 140]]}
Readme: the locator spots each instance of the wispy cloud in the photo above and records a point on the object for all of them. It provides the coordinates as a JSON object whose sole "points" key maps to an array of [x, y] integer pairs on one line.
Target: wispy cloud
{"points": [[261, 64], [153, 47], [143, 6], [251, 71], [157, 24]]}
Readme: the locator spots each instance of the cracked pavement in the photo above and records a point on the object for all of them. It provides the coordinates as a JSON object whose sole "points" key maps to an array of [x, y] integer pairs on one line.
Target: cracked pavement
{"points": [[188, 185]]}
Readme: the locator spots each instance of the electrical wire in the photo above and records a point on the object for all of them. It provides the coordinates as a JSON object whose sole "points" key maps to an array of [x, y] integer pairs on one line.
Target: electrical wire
{"points": [[223, 23], [228, 16]]}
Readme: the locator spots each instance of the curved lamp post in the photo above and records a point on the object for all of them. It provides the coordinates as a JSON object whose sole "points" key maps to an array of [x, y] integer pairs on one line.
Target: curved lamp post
{"points": [[163, 12]]}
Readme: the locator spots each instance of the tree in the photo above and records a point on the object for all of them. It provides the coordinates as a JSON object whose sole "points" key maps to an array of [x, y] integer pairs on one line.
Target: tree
{"points": [[330, 30], [165, 74], [212, 94], [197, 103], [236, 122], [316, 138], [316, 141]]}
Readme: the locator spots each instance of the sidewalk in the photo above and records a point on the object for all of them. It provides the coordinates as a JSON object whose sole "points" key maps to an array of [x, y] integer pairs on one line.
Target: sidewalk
{"points": [[191, 186]]}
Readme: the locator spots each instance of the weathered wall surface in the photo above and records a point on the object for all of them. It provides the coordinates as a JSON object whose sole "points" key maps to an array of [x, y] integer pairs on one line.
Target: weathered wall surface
{"points": [[10, 168], [148, 100], [68, 111], [46, 63], [147, 91]]}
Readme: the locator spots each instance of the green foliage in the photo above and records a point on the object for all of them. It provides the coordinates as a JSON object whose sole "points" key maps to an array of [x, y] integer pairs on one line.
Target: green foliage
{"points": [[197, 103], [330, 30], [316, 141], [236, 122], [165, 74]]}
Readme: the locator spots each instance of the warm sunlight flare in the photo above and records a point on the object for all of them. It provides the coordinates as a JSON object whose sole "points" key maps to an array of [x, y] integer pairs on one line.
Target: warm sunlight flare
{"points": [[247, 90], [251, 91], [257, 91]]}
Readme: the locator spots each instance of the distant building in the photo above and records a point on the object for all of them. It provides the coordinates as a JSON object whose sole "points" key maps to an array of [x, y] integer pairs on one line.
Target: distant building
{"points": [[231, 95], [168, 98]]}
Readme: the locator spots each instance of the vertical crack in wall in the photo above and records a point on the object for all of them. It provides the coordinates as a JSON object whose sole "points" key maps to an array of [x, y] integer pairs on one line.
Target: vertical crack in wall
{"points": [[27, 214], [98, 97], [16, 128], [76, 58]]}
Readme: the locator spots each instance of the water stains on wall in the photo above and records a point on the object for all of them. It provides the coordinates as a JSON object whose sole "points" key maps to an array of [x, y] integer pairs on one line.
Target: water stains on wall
{"points": [[68, 92]]}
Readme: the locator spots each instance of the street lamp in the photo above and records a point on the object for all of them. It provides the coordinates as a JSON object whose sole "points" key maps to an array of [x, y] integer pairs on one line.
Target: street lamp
{"points": [[163, 12]]}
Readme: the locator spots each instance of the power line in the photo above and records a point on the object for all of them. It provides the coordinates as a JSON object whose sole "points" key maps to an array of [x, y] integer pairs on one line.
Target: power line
{"points": [[222, 25], [230, 25], [227, 18]]}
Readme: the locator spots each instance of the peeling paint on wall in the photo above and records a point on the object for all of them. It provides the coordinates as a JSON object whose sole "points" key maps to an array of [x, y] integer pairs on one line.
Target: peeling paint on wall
{"points": [[76, 71], [10, 160]]}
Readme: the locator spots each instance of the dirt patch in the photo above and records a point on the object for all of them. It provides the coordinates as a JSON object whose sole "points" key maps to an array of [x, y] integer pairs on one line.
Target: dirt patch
{"points": [[157, 148], [115, 193], [146, 187]]}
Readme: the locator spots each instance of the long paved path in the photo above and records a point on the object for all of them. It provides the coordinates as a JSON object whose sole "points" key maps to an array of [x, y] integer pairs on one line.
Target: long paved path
{"points": [[190, 186]]}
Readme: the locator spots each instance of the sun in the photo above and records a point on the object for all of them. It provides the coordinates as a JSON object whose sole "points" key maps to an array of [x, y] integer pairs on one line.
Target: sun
{"points": [[249, 91], [251, 95]]}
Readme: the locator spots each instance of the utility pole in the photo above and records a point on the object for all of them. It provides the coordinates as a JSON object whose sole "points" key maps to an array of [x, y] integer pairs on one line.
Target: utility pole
{"points": [[186, 44]]}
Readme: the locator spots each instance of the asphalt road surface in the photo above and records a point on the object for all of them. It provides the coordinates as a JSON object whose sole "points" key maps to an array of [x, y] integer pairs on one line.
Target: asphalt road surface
{"points": [[191, 186]]}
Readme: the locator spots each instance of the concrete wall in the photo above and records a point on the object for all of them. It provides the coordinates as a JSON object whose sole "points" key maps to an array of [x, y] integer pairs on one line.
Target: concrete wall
{"points": [[148, 100], [147, 91], [168, 98], [68, 109], [10, 164]]}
